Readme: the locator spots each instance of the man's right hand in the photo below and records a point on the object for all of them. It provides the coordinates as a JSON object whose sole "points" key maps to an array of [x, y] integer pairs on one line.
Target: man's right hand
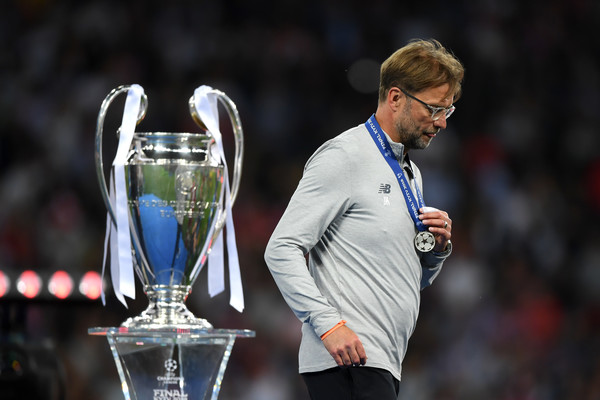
{"points": [[345, 347]]}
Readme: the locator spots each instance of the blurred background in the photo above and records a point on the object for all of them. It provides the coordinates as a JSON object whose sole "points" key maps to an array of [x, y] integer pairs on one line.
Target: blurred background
{"points": [[515, 315]]}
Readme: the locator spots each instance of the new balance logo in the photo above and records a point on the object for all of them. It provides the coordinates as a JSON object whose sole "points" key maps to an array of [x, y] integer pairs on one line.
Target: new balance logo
{"points": [[384, 188]]}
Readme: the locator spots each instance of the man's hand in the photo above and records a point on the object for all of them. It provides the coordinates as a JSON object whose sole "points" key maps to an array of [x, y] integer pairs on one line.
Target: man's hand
{"points": [[438, 223], [345, 347]]}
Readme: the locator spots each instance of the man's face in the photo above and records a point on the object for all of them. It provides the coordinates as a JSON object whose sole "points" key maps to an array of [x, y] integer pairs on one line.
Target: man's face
{"points": [[413, 123]]}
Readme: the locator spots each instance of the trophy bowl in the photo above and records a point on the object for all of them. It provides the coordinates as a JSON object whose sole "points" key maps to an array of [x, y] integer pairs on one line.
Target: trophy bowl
{"points": [[175, 188]]}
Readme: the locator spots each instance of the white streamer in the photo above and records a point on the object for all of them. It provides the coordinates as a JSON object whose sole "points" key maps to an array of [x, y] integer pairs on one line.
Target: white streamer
{"points": [[216, 268], [120, 241], [207, 108]]}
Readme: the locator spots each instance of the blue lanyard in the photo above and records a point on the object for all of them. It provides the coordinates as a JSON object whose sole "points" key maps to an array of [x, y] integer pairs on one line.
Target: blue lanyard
{"points": [[384, 147]]}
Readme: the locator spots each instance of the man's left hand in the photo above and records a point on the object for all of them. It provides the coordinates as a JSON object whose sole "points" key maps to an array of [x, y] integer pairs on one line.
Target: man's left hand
{"points": [[439, 223]]}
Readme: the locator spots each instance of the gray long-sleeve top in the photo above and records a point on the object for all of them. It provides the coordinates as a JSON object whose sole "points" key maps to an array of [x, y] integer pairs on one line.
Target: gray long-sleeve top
{"points": [[349, 215]]}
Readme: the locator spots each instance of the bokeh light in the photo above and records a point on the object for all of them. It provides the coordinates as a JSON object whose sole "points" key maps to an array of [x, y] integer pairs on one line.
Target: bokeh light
{"points": [[91, 285], [60, 284], [4, 284], [29, 284]]}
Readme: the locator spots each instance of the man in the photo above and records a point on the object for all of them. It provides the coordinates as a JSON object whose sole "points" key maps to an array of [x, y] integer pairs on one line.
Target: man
{"points": [[372, 244]]}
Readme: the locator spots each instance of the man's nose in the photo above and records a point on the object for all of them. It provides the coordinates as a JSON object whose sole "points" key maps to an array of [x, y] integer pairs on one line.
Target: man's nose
{"points": [[440, 123]]}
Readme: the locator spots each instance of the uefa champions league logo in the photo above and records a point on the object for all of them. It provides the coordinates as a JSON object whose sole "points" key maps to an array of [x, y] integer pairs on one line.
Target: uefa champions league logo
{"points": [[170, 366], [169, 376], [170, 379]]}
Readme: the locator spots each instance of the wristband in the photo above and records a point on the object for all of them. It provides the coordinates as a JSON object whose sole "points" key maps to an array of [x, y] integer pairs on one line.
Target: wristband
{"points": [[329, 332]]}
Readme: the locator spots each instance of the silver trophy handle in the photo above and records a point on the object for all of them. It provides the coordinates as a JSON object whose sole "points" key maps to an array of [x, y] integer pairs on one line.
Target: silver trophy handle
{"points": [[98, 152], [238, 133]]}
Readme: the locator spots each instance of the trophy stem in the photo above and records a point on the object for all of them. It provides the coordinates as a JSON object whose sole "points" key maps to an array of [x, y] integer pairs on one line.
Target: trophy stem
{"points": [[167, 310]]}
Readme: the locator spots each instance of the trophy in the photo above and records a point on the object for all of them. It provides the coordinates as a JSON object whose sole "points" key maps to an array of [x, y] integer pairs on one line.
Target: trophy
{"points": [[174, 204]]}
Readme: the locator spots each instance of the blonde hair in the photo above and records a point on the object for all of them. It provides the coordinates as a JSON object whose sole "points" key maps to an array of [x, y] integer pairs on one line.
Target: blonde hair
{"points": [[420, 65]]}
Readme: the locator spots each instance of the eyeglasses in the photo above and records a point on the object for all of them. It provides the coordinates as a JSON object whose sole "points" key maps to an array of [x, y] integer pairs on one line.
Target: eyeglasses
{"points": [[436, 112]]}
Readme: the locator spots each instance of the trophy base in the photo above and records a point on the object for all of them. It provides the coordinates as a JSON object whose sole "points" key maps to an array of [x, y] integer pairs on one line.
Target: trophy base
{"points": [[171, 365], [166, 311]]}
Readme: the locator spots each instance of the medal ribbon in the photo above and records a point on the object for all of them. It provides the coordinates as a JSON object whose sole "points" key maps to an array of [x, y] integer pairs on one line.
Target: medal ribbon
{"points": [[383, 145], [206, 105]]}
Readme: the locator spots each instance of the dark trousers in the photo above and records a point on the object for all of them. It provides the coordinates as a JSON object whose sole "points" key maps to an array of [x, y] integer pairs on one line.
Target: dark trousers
{"points": [[352, 383]]}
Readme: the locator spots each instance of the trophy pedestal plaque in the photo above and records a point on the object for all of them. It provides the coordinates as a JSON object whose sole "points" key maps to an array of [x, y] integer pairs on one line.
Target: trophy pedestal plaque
{"points": [[173, 364]]}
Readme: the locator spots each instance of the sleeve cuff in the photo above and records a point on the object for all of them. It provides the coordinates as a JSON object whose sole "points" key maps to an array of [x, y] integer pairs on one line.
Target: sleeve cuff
{"points": [[444, 253]]}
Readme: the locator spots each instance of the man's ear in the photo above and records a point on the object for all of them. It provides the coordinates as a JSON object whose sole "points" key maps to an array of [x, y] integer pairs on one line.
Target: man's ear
{"points": [[394, 98]]}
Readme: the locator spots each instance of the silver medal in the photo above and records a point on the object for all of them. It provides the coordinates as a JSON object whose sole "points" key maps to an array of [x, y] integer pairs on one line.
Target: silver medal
{"points": [[424, 241]]}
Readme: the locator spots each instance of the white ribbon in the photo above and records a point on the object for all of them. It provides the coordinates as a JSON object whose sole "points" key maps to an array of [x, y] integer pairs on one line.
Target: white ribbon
{"points": [[120, 241], [206, 105]]}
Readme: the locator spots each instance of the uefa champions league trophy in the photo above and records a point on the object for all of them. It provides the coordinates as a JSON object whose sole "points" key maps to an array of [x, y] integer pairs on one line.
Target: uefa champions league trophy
{"points": [[174, 204]]}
